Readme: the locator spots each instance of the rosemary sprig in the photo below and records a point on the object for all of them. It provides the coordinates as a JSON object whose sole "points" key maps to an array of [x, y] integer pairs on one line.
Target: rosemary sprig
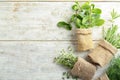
{"points": [[111, 34], [114, 15]]}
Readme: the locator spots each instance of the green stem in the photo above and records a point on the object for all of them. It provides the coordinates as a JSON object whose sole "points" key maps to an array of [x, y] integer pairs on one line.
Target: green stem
{"points": [[90, 17]]}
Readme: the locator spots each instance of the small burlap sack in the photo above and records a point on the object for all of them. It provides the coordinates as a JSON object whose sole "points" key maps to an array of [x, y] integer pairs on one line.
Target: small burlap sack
{"points": [[103, 77], [103, 53], [84, 38], [83, 69]]}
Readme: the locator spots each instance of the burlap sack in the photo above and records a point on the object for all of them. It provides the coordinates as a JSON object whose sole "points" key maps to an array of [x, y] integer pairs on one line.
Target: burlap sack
{"points": [[83, 69], [103, 53], [103, 77], [84, 38]]}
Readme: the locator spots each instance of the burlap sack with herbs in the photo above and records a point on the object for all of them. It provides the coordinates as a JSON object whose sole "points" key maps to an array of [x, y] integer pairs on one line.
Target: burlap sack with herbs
{"points": [[83, 69], [103, 77], [103, 53], [84, 38]]}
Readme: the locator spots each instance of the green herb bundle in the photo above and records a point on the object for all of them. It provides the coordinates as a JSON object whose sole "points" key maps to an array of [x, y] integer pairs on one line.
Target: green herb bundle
{"points": [[84, 16], [111, 34], [66, 59], [114, 69]]}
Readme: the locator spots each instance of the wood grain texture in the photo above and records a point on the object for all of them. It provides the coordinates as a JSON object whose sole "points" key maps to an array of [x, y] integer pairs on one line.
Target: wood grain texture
{"points": [[37, 21], [34, 60], [58, 0]]}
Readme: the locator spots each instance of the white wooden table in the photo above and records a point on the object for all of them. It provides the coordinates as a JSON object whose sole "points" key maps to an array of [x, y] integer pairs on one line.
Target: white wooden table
{"points": [[30, 39]]}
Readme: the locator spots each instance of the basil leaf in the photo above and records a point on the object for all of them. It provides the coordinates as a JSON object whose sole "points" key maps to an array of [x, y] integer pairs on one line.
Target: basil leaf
{"points": [[75, 7], [64, 25], [69, 27], [72, 17], [85, 20], [61, 24], [97, 11], [78, 23], [86, 6], [95, 16], [99, 22]]}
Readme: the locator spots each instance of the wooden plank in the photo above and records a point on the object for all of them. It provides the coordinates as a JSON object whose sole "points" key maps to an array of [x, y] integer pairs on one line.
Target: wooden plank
{"points": [[31, 60], [57, 0], [37, 21]]}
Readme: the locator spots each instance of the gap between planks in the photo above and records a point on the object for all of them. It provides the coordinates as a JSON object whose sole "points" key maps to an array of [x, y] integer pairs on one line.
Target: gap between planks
{"points": [[40, 40]]}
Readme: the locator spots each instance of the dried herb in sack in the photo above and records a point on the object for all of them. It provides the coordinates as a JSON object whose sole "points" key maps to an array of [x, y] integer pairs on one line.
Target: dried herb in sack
{"points": [[79, 67]]}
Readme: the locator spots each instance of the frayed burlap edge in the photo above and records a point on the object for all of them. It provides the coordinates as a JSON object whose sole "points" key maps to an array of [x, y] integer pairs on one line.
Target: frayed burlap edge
{"points": [[83, 69], [83, 31], [102, 54], [108, 46]]}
